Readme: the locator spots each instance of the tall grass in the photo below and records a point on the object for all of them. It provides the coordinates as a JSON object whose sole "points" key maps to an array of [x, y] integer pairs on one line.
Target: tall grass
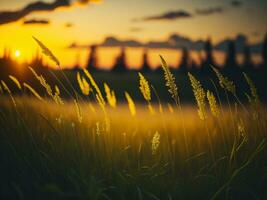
{"points": [[88, 150]]}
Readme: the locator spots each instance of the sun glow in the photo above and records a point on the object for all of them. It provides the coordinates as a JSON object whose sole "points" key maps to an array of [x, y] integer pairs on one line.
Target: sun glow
{"points": [[17, 53]]}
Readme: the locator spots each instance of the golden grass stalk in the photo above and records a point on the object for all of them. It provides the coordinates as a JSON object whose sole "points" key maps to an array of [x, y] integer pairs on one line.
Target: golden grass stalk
{"points": [[33, 91], [253, 98], [225, 82], [253, 90], [56, 95], [6, 88], [146, 92], [110, 96], [200, 96], [170, 80], [99, 95], [241, 128], [155, 143], [144, 87], [97, 128], [99, 98], [47, 51], [214, 108], [57, 90], [78, 111], [15, 80], [131, 104], [83, 84]]}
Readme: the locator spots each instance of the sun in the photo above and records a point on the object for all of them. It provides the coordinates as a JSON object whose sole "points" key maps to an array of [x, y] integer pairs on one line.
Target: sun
{"points": [[17, 53]]}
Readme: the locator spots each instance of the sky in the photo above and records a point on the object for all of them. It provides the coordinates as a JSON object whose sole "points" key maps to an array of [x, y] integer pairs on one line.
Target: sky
{"points": [[62, 23]]}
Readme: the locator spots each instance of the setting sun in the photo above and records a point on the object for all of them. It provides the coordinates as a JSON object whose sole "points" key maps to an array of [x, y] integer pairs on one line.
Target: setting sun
{"points": [[17, 53]]}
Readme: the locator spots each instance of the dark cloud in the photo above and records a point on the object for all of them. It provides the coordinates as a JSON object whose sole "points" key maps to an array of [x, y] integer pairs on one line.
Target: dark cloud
{"points": [[236, 3], [181, 14], [209, 11], [12, 16], [172, 15], [36, 21], [176, 41]]}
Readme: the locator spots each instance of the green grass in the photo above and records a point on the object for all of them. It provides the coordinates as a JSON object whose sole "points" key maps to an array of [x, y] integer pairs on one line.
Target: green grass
{"points": [[43, 157]]}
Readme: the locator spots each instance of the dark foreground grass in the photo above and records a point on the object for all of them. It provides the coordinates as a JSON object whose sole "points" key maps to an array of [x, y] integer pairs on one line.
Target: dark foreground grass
{"points": [[46, 153]]}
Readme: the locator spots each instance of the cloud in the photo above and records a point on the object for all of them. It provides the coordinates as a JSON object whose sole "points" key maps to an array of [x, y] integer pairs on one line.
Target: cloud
{"points": [[176, 41], [12, 16], [236, 3], [209, 11], [181, 14], [36, 21], [171, 15], [135, 29]]}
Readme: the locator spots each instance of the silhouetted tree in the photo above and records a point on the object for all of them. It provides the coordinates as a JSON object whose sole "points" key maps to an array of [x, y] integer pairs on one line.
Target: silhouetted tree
{"points": [[194, 67], [145, 64], [247, 65], [264, 51], [184, 63], [92, 60], [6, 55], [208, 60], [37, 61], [230, 62], [208, 50], [120, 64]]}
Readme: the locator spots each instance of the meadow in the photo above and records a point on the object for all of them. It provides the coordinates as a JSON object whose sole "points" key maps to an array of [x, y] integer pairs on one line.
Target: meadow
{"points": [[97, 148]]}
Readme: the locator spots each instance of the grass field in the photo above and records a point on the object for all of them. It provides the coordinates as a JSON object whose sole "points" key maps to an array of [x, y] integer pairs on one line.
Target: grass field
{"points": [[97, 148], [91, 151]]}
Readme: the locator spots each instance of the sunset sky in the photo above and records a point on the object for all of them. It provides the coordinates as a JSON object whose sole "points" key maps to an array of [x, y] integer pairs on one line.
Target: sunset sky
{"points": [[60, 23]]}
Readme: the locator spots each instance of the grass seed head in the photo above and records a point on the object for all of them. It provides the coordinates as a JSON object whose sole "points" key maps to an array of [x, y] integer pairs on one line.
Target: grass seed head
{"points": [[170, 80], [83, 84], [131, 104], [213, 104], [110, 96], [47, 51], [144, 87], [225, 82], [16, 81], [33, 91], [200, 96], [155, 143]]}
